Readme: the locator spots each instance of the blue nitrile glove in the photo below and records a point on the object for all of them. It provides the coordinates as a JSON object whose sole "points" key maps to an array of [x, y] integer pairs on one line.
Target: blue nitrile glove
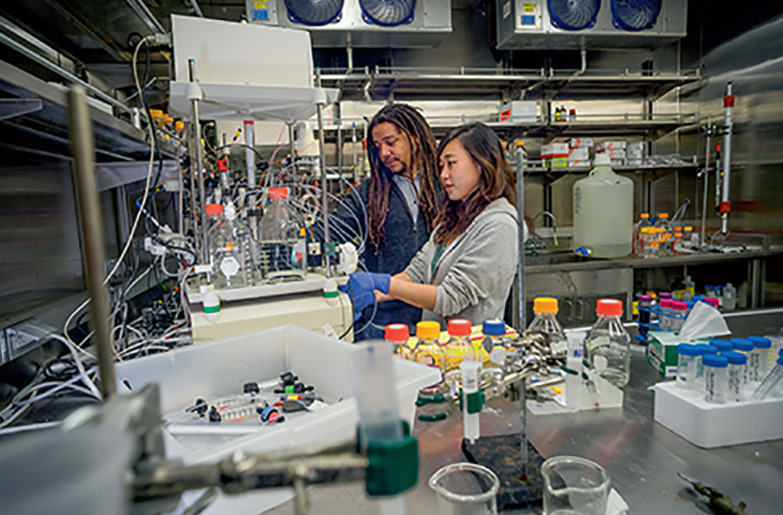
{"points": [[361, 288]]}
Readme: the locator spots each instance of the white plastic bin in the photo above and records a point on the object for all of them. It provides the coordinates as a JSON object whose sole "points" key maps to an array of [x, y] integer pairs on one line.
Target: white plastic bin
{"points": [[221, 367]]}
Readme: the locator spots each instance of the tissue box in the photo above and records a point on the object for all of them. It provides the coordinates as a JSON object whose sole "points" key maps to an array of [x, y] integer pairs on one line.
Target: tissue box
{"points": [[662, 352]]}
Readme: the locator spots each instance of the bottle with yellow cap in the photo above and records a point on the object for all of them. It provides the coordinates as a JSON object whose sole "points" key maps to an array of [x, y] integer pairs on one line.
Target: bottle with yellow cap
{"points": [[428, 351], [545, 322]]}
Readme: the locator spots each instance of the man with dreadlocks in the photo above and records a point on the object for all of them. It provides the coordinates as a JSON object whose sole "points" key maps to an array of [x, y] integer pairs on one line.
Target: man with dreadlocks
{"points": [[401, 200]]}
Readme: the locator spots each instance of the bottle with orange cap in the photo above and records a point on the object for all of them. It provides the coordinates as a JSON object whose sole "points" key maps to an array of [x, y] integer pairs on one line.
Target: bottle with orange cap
{"points": [[398, 335], [608, 345], [282, 241], [545, 322], [428, 351]]}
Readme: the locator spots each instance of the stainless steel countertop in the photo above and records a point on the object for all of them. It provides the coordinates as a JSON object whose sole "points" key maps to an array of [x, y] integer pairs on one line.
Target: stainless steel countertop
{"points": [[641, 456]]}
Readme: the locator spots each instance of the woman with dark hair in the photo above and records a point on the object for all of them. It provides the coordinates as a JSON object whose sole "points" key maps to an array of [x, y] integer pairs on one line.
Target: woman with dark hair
{"points": [[466, 268], [401, 200]]}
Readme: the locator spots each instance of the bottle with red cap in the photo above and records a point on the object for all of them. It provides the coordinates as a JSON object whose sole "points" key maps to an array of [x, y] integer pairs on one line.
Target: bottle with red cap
{"points": [[458, 348], [282, 240], [398, 335], [608, 345]]}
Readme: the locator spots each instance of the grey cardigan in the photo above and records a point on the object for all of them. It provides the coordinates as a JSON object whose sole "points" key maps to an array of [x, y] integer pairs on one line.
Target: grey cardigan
{"points": [[475, 272]]}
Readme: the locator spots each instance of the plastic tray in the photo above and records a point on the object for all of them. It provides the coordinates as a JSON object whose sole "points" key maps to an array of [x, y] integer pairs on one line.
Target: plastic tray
{"points": [[714, 425], [221, 367]]}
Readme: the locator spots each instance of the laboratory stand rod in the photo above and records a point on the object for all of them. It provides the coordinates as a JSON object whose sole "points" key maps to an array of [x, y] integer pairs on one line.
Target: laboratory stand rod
{"points": [[90, 217], [199, 172], [725, 206], [322, 166], [523, 429], [521, 162], [355, 154], [292, 146], [250, 159], [706, 180]]}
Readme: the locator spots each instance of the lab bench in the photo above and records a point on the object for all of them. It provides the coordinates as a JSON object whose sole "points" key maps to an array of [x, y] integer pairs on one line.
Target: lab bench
{"points": [[641, 456], [578, 282]]}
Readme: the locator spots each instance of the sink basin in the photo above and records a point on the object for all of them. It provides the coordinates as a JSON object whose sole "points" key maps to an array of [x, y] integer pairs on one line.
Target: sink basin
{"points": [[553, 258]]}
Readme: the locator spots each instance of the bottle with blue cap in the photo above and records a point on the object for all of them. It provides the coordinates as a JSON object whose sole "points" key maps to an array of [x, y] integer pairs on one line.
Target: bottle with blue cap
{"points": [[496, 345], [760, 356], [687, 365], [744, 346], [704, 350], [722, 345], [716, 380], [737, 362]]}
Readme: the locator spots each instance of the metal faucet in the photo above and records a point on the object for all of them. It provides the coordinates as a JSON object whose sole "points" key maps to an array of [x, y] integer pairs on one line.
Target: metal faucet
{"points": [[554, 224]]}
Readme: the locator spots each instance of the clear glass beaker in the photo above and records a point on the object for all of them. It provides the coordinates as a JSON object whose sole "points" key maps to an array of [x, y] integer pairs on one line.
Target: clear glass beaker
{"points": [[465, 489], [574, 485]]}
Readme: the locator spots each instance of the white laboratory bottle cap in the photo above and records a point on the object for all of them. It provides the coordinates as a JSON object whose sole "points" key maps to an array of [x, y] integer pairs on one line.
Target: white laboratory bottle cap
{"points": [[230, 211]]}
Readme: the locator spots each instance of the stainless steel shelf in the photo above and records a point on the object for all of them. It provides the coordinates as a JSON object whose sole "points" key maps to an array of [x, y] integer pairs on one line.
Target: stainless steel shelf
{"points": [[490, 83]]}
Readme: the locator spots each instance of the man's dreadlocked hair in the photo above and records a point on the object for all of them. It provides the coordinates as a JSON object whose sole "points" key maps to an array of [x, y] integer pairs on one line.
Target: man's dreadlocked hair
{"points": [[422, 143]]}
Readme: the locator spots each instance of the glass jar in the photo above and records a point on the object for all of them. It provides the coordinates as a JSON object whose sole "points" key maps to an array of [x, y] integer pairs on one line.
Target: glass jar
{"points": [[736, 385], [545, 322], [398, 335], [665, 306], [608, 345], [687, 364], [716, 380]]}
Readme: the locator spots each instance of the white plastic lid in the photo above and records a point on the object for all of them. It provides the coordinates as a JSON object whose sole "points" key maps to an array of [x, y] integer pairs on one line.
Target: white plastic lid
{"points": [[602, 158], [230, 211]]}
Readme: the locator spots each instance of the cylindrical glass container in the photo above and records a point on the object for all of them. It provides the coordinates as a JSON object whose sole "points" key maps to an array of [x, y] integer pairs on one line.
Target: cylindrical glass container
{"points": [[745, 347], [608, 345], [687, 364], [704, 350], [737, 362], [772, 384], [761, 347], [428, 351], [458, 348], [716, 379]]}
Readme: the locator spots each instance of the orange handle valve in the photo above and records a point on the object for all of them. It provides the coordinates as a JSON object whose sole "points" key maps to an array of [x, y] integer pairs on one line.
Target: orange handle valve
{"points": [[725, 206]]}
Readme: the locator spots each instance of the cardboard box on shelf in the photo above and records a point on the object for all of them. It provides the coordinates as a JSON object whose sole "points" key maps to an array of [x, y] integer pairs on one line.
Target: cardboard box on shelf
{"points": [[580, 143], [552, 150], [578, 164], [613, 145], [518, 111], [579, 154]]}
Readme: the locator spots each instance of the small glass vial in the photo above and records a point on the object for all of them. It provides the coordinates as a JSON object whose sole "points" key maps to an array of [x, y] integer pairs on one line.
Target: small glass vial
{"points": [[772, 384], [722, 345], [704, 350], [458, 348], [429, 352], [745, 347], [687, 364], [545, 322], [716, 380], [398, 335], [736, 385], [761, 346]]}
